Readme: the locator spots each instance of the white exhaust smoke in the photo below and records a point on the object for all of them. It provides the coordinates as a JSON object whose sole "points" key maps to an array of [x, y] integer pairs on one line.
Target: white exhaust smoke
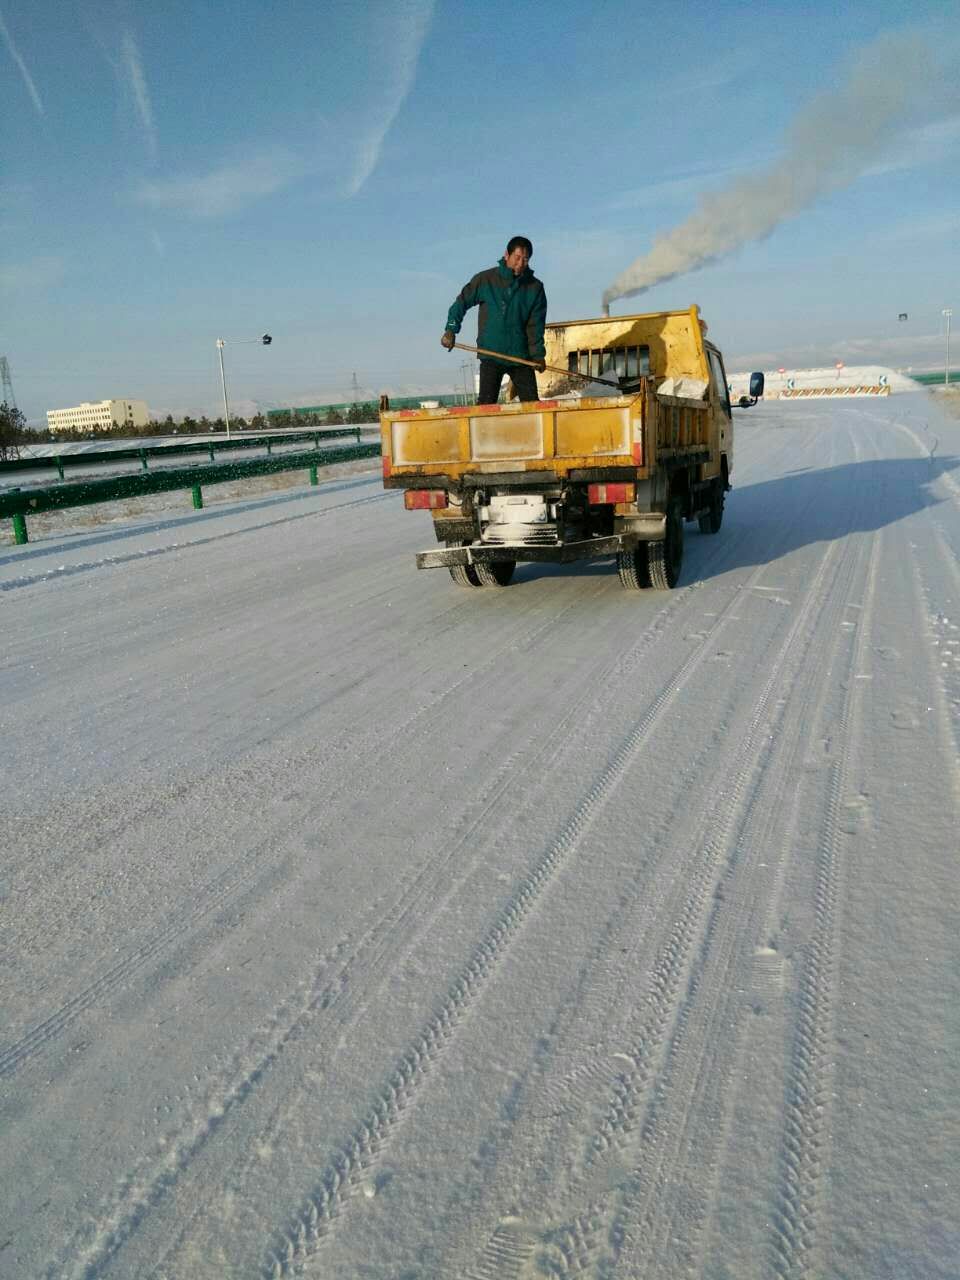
{"points": [[828, 147]]}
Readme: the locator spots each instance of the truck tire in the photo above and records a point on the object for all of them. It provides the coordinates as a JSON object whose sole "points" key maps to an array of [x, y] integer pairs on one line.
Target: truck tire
{"points": [[496, 574], [464, 575], [711, 520], [665, 558], [633, 568]]}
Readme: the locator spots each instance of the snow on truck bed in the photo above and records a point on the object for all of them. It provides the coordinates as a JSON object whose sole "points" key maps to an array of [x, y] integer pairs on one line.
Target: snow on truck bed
{"points": [[358, 925]]}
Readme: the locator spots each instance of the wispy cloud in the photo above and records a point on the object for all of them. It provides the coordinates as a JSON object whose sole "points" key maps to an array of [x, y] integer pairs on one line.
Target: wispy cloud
{"points": [[227, 187], [27, 77], [403, 40], [133, 70], [398, 30]]}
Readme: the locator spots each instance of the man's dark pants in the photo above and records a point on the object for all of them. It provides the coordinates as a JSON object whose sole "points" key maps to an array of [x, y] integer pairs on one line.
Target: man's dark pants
{"points": [[491, 376]]}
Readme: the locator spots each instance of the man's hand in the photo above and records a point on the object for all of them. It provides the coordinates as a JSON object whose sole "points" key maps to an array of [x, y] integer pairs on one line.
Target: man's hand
{"points": [[541, 366], [448, 339]]}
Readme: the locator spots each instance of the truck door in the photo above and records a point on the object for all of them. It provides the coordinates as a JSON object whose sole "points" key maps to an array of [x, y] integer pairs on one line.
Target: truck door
{"points": [[720, 395], [718, 378]]}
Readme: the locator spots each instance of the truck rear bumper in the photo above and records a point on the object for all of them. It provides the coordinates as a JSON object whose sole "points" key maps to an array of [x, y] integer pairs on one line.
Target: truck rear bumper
{"points": [[563, 553]]}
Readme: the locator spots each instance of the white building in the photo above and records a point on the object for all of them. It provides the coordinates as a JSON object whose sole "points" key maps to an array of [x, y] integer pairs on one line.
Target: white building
{"points": [[88, 417]]}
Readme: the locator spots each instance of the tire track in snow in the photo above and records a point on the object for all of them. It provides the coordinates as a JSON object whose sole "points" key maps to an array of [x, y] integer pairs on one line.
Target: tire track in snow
{"points": [[640, 1096], [944, 628], [691, 1161], [179, 1148], [137, 1194], [349, 1166], [209, 897], [797, 1226]]}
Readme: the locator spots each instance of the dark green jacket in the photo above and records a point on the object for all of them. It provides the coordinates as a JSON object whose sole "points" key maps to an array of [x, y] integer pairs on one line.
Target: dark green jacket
{"points": [[513, 311]]}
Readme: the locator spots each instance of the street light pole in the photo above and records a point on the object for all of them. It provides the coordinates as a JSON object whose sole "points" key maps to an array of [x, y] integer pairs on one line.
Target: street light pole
{"points": [[947, 313], [265, 339], [223, 383]]}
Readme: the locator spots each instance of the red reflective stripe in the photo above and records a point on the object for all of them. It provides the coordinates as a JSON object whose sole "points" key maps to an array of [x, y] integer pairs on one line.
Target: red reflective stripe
{"points": [[603, 494], [424, 499], [638, 452], [386, 465]]}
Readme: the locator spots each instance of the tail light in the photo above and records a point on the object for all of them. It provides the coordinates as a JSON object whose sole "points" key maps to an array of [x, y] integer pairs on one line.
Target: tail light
{"points": [[599, 495], [424, 499]]}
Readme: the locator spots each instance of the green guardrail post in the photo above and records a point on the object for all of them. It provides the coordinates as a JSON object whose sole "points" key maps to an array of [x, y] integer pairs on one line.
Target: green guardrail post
{"points": [[20, 529], [197, 498], [269, 448], [313, 474], [143, 459], [212, 458], [358, 435], [316, 441], [59, 461]]}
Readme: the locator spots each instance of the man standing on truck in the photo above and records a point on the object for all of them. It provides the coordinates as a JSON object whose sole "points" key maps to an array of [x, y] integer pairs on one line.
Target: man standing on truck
{"points": [[513, 313]]}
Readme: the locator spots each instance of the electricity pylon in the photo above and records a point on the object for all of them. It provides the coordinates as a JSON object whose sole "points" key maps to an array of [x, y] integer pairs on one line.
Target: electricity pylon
{"points": [[6, 390]]}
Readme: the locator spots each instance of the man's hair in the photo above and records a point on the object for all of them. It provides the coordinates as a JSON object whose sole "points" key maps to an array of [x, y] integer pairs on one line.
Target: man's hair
{"points": [[520, 242]]}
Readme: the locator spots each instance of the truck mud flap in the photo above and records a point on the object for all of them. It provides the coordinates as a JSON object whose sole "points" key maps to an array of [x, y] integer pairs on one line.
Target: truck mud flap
{"points": [[483, 554]]}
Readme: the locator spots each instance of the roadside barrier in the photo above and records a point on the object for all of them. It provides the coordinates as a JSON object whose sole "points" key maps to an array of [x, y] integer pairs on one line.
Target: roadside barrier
{"points": [[17, 504], [143, 453], [816, 393]]}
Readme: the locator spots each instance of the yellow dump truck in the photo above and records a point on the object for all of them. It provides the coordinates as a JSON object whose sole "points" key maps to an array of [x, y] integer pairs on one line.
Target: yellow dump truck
{"points": [[577, 473]]}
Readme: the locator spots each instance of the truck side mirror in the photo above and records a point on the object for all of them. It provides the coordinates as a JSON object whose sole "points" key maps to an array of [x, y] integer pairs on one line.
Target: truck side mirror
{"points": [[756, 385]]}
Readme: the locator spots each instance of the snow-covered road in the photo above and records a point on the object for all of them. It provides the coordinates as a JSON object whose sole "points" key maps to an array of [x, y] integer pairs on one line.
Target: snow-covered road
{"points": [[358, 925]]}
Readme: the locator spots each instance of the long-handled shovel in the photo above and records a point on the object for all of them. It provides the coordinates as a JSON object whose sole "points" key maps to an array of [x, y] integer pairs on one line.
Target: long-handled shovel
{"points": [[534, 364]]}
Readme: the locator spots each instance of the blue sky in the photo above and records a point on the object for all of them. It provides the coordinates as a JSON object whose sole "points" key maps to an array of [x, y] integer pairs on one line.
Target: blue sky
{"points": [[334, 172]]}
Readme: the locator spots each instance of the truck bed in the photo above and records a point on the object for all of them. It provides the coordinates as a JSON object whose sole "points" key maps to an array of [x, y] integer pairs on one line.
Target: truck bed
{"points": [[555, 437]]}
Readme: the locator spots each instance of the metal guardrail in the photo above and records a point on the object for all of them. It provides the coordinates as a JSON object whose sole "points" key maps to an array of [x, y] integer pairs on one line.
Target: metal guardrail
{"points": [[142, 453], [19, 503]]}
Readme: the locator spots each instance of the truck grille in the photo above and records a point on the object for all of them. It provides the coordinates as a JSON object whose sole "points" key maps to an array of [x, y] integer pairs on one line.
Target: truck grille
{"points": [[526, 535]]}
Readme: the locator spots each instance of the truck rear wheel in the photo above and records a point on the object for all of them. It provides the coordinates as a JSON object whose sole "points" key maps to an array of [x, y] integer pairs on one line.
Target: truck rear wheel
{"points": [[496, 574], [711, 520], [665, 558], [633, 568], [464, 575]]}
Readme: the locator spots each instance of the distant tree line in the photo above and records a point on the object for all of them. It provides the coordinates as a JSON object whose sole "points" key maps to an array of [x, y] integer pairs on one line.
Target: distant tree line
{"points": [[332, 417], [14, 431]]}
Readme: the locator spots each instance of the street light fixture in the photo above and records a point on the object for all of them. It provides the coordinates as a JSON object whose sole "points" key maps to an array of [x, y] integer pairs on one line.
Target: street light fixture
{"points": [[947, 312], [264, 340]]}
